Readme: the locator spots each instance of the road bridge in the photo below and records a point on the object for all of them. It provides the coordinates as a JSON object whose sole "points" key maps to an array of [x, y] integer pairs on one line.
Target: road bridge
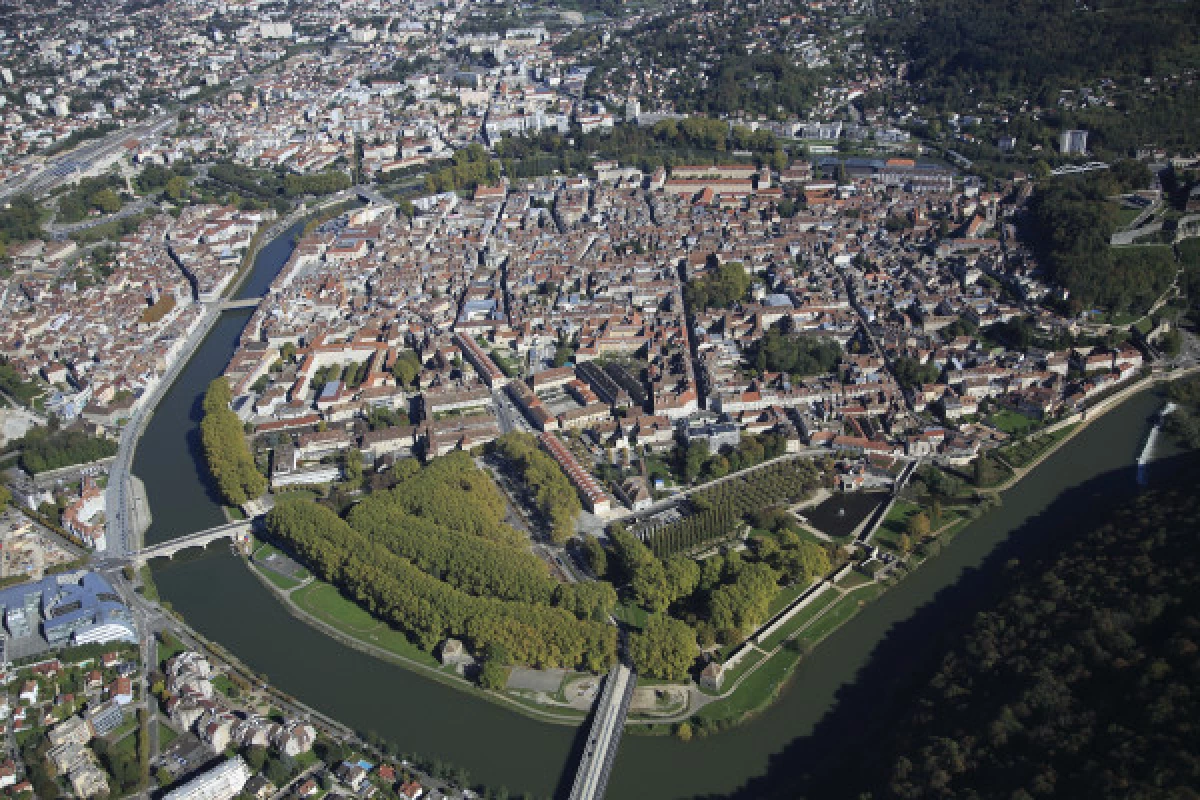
{"points": [[605, 735], [248, 302], [204, 538]]}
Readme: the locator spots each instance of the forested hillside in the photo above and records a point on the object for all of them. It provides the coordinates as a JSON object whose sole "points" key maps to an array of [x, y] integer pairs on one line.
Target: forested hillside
{"points": [[961, 52], [1080, 682], [1069, 224]]}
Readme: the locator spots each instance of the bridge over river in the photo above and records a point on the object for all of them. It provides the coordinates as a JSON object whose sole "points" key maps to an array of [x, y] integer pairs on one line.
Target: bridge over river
{"points": [[605, 735], [231, 530]]}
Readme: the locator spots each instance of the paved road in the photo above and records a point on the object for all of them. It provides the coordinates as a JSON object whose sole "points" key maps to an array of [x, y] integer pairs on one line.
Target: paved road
{"points": [[60, 232], [67, 167], [126, 513]]}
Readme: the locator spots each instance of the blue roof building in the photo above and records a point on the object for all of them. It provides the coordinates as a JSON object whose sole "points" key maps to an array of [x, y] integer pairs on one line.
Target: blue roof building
{"points": [[76, 608]]}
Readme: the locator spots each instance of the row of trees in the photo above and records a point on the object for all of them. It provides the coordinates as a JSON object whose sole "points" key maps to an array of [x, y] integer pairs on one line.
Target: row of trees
{"points": [[557, 501], [456, 494], [269, 184], [654, 584], [665, 648], [718, 510], [429, 610], [470, 563], [229, 459]]}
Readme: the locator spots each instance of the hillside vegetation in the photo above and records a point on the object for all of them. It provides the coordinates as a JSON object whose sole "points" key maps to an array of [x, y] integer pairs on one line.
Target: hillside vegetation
{"points": [[1080, 681]]}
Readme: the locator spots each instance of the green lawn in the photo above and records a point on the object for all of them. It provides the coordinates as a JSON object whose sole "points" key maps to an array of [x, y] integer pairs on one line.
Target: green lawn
{"points": [[166, 652], [843, 610], [802, 618], [282, 581], [224, 685], [127, 746], [166, 735], [127, 726], [1126, 215], [631, 615], [895, 524], [1011, 422], [1023, 453], [853, 579], [756, 692], [784, 596], [326, 603]]}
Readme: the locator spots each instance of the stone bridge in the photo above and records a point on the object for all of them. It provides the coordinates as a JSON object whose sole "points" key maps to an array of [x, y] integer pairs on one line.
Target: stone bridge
{"points": [[232, 530]]}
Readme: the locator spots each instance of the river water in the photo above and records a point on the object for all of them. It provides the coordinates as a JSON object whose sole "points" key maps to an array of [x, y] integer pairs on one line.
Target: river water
{"points": [[829, 706]]}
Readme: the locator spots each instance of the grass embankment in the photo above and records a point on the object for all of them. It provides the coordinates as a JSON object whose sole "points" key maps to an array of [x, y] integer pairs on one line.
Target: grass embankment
{"points": [[326, 603], [768, 674], [149, 588], [166, 735], [1022, 454]]}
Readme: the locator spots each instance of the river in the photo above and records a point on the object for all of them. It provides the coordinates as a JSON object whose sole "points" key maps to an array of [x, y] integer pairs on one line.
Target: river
{"points": [[834, 692]]}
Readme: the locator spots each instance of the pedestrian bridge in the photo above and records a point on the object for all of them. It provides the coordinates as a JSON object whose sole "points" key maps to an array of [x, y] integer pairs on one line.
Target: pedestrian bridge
{"points": [[169, 548], [605, 735]]}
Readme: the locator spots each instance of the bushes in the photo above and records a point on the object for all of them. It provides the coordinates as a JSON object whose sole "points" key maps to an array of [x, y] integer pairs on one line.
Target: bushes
{"points": [[229, 460]]}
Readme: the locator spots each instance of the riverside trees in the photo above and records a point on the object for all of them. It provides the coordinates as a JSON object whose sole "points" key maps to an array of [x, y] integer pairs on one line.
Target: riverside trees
{"points": [[229, 460], [665, 649], [433, 558]]}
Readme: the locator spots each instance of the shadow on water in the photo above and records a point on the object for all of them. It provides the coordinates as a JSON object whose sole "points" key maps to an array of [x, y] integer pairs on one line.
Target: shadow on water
{"points": [[842, 742], [195, 449], [566, 779]]}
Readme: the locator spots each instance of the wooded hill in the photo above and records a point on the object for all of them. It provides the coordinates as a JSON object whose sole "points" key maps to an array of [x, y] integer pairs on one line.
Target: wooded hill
{"points": [[1079, 682]]}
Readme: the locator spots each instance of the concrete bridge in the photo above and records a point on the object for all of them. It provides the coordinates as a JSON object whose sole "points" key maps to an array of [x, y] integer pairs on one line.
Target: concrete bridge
{"points": [[231, 530], [605, 735], [249, 302]]}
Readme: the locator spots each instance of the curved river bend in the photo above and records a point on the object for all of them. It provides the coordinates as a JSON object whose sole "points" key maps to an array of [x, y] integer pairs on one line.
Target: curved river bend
{"points": [[221, 599]]}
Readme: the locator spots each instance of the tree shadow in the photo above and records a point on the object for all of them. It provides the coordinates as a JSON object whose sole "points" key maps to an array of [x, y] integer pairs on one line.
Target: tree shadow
{"points": [[850, 749]]}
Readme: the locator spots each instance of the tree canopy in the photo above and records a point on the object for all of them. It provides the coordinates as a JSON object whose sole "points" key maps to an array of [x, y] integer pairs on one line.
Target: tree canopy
{"points": [[229, 460]]}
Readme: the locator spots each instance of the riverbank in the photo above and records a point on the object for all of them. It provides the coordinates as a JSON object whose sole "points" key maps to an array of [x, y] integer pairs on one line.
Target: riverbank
{"points": [[753, 685], [778, 665], [336, 617]]}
